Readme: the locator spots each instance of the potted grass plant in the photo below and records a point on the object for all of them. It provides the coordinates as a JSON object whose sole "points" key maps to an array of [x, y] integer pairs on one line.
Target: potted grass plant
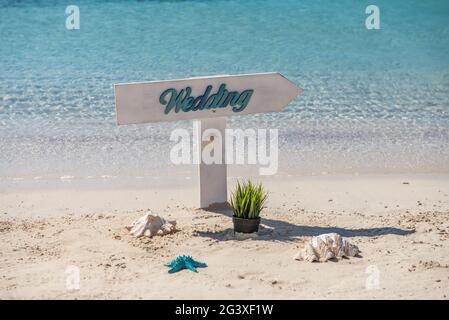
{"points": [[247, 201]]}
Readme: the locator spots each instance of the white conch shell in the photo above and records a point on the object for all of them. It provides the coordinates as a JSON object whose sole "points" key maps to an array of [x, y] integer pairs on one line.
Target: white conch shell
{"points": [[151, 225], [327, 246]]}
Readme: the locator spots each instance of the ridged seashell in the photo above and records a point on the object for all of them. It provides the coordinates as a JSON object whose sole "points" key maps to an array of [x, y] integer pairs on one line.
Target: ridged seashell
{"points": [[327, 246], [150, 225]]}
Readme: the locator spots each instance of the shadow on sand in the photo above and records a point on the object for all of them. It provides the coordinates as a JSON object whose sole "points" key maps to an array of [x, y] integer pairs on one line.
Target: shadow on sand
{"points": [[278, 230]]}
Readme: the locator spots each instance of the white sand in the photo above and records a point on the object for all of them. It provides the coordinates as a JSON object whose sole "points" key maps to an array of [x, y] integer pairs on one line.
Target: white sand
{"points": [[402, 230]]}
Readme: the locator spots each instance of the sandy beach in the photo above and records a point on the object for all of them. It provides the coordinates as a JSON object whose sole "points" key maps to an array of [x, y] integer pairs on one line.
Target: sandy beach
{"points": [[399, 222]]}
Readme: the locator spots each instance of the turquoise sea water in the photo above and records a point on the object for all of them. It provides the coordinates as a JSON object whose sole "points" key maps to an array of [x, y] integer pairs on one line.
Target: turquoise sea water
{"points": [[374, 100]]}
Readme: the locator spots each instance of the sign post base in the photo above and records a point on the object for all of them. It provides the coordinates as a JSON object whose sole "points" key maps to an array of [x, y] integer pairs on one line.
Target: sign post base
{"points": [[212, 176]]}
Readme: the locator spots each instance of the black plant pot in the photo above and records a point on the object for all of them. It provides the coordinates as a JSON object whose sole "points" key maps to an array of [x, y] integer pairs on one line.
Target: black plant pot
{"points": [[246, 225]]}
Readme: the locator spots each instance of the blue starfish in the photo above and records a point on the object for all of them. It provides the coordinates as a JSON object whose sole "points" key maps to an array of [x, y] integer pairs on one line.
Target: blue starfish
{"points": [[184, 262]]}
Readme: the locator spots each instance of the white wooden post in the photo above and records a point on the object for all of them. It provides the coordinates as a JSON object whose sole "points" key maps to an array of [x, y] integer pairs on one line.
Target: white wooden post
{"points": [[212, 177]]}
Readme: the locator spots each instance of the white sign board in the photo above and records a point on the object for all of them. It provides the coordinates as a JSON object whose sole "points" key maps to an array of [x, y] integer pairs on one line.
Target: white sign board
{"points": [[203, 98]]}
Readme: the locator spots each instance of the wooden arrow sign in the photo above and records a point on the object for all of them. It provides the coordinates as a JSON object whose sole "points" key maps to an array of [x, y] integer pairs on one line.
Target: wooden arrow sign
{"points": [[203, 97]]}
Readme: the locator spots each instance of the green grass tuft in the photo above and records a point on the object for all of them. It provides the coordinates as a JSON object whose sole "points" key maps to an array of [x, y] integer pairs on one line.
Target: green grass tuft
{"points": [[248, 199]]}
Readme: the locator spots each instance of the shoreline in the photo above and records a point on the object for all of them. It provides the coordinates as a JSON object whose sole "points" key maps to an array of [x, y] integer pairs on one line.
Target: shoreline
{"points": [[312, 191], [399, 222], [170, 177]]}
